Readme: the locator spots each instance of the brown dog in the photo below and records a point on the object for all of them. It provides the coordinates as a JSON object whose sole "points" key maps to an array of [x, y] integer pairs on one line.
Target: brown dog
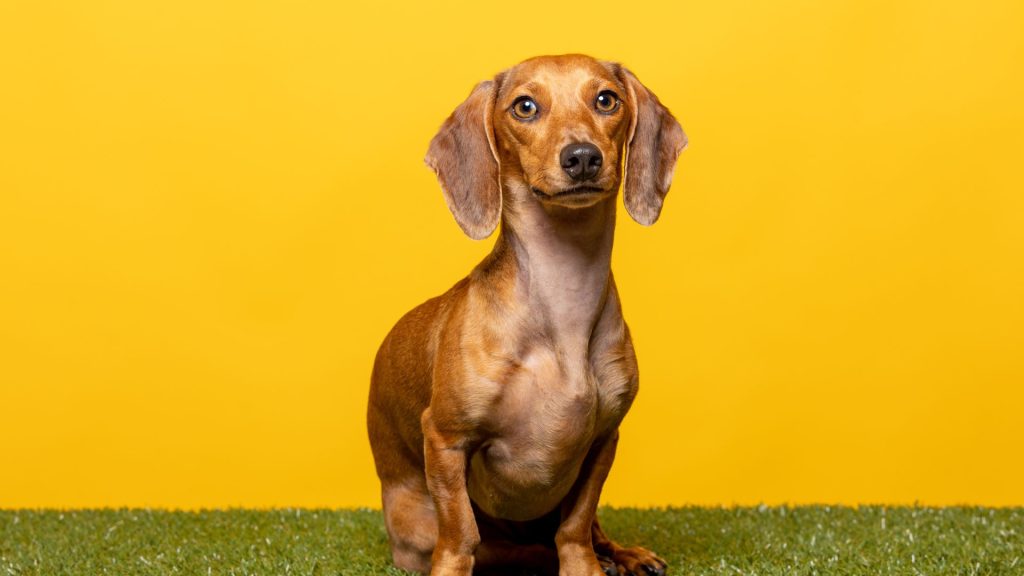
{"points": [[494, 408]]}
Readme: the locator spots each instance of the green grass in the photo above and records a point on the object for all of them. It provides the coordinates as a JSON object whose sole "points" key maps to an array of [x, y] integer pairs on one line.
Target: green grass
{"points": [[763, 541]]}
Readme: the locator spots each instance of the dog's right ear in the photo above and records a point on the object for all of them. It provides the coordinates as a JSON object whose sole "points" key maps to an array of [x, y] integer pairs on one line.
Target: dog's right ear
{"points": [[464, 158]]}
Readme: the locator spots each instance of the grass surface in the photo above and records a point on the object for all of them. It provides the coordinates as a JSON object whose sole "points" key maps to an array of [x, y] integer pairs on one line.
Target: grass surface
{"points": [[763, 541]]}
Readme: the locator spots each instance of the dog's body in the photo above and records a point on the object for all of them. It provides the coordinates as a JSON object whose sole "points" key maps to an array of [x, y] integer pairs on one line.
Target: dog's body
{"points": [[494, 408]]}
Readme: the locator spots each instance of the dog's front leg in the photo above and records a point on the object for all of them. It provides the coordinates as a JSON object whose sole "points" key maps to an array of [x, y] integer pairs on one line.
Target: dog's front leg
{"points": [[457, 535], [574, 537]]}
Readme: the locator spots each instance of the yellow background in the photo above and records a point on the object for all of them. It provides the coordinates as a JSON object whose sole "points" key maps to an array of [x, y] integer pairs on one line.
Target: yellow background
{"points": [[212, 212]]}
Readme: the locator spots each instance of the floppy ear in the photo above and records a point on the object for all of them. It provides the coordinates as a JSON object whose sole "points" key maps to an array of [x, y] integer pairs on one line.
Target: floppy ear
{"points": [[462, 154], [654, 143]]}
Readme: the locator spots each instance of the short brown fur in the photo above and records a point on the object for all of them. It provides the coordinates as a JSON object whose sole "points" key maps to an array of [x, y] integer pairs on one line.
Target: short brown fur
{"points": [[494, 408]]}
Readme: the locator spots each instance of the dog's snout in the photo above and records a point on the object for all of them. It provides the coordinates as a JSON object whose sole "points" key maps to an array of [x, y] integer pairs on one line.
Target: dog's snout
{"points": [[581, 160]]}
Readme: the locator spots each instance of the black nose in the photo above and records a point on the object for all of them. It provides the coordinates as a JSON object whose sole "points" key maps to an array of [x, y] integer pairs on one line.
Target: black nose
{"points": [[581, 161]]}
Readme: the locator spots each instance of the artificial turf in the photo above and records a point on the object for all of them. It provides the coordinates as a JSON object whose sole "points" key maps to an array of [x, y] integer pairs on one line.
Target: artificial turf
{"points": [[762, 541]]}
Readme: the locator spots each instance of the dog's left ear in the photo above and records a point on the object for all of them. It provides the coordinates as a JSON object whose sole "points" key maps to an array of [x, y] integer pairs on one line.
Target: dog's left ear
{"points": [[654, 143], [463, 156]]}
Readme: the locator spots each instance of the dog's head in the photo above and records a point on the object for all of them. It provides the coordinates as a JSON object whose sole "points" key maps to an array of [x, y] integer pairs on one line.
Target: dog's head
{"points": [[552, 130]]}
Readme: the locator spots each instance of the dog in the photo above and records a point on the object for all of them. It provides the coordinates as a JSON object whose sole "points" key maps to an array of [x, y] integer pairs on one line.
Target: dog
{"points": [[494, 408]]}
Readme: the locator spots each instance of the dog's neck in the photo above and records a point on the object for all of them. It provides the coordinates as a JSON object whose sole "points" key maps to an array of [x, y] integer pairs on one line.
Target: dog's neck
{"points": [[561, 259]]}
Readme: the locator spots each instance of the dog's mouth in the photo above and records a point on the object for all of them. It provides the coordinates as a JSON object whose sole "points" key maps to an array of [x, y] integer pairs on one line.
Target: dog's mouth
{"points": [[573, 191]]}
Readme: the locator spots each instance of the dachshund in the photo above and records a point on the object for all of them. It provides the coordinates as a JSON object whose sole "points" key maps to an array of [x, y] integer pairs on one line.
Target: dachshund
{"points": [[494, 408]]}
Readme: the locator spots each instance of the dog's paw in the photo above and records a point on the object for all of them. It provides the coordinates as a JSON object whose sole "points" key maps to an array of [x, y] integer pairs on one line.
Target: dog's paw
{"points": [[451, 565], [608, 566], [635, 561]]}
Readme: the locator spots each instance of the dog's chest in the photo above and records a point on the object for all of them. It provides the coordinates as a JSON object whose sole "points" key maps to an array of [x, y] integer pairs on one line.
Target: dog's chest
{"points": [[556, 398], [550, 411]]}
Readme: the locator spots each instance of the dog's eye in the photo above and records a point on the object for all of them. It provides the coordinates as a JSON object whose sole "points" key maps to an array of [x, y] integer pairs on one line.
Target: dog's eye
{"points": [[607, 102], [524, 108]]}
